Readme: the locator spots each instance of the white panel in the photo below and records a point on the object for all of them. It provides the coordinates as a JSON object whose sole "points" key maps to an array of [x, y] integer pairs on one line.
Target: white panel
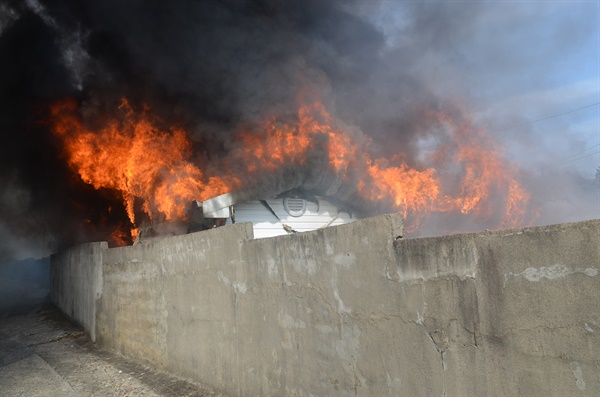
{"points": [[216, 203], [266, 225], [264, 222], [222, 213]]}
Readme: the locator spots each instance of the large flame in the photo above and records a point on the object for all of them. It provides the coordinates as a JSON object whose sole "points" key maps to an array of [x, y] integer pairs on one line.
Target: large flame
{"points": [[131, 155], [488, 183], [486, 173], [151, 165]]}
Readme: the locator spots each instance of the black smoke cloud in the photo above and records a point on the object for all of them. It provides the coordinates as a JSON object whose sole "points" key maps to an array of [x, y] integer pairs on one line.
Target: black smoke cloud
{"points": [[211, 65]]}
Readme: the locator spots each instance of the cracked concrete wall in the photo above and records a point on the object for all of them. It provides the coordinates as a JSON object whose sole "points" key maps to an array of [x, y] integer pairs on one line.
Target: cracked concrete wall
{"points": [[352, 310], [510, 312]]}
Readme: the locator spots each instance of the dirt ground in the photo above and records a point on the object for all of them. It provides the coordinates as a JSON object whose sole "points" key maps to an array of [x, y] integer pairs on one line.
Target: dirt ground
{"points": [[43, 354]]}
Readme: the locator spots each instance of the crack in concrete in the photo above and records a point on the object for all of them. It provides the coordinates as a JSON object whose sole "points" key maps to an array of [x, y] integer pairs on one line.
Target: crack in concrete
{"points": [[441, 350]]}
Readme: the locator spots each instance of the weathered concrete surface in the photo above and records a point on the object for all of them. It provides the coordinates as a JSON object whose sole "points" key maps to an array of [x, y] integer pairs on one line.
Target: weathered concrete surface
{"points": [[510, 312], [352, 310], [42, 354], [76, 282]]}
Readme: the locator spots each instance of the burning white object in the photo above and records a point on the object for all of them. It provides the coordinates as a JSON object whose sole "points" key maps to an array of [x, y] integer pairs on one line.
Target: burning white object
{"points": [[288, 213]]}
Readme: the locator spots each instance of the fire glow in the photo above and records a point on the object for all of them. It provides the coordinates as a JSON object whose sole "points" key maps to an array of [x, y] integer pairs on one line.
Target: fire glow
{"points": [[152, 168], [131, 155]]}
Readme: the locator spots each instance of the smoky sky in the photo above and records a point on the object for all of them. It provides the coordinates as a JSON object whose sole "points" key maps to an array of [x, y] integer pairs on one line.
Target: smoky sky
{"points": [[211, 65]]}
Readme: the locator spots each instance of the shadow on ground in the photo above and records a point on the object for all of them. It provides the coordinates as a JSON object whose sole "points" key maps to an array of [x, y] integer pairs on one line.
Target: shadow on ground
{"points": [[42, 353]]}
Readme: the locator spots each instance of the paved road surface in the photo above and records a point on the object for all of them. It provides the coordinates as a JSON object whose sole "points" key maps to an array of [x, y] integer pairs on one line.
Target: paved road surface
{"points": [[43, 354]]}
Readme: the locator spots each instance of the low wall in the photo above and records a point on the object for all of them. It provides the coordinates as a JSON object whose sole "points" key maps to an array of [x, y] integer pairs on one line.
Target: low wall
{"points": [[351, 310]]}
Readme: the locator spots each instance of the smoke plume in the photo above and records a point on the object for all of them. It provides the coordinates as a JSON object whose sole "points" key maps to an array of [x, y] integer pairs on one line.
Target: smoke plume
{"points": [[213, 67]]}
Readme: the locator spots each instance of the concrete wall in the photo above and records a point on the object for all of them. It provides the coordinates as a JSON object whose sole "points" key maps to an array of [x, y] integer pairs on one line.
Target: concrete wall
{"points": [[352, 310], [76, 283]]}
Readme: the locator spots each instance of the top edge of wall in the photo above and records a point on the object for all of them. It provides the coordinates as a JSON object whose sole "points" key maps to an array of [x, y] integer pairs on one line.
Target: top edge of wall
{"points": [[515, 231]]}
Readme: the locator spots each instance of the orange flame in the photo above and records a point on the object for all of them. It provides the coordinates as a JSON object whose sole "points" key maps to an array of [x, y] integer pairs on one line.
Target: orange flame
{"points": [[120, 237], [414, 193], [132, 155], [486, 174]]}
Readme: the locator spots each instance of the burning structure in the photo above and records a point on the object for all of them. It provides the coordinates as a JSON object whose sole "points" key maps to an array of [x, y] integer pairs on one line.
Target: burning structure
{"points": [[118, 116], [287, 213], [153, 170]]}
